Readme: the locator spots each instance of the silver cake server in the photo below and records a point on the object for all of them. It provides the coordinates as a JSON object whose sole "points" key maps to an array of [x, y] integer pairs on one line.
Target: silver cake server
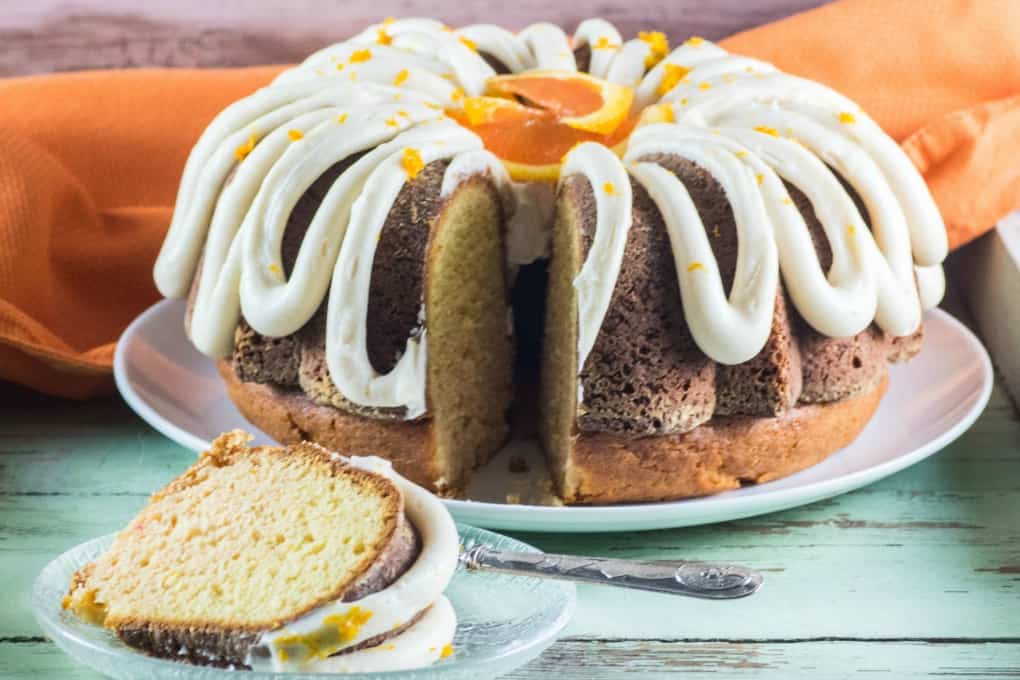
{"points": [[694, 579]]}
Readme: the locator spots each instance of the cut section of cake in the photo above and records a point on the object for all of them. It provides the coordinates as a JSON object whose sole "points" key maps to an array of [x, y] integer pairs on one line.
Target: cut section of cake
{"points": [[278, 558]]}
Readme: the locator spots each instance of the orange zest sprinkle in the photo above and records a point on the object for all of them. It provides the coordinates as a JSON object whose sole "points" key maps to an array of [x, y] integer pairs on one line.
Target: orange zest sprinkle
{"points": [[694, 266], [609, 188], [401, 77], [766, 130], [358, 56], [694, 41], [349, 623], [342, 118], [603, 43], [458, 94], [468, 43], [447, 651], [658, 44], [847, 118], [673, 75], [383, 38], [411, 162], [295, 135], [242, 151]]}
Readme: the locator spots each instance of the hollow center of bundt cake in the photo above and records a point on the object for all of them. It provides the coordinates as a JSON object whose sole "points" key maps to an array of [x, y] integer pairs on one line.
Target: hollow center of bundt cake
{"points": [[531, 119]]}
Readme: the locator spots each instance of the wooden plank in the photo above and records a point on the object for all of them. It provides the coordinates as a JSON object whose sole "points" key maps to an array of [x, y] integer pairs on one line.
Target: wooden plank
{"points": [[666, 660], [58, 35], [873, 564], [933, 551]]}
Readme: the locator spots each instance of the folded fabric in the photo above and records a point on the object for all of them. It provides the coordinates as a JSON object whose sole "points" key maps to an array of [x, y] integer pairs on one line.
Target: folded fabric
{"points": [[89, 162]]}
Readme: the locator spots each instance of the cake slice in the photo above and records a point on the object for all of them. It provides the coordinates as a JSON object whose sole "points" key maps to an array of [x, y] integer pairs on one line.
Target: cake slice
{"points": [[248, 540]]}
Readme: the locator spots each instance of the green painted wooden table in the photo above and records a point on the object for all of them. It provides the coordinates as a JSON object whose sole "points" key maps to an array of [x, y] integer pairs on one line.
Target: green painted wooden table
{"points": [[918, 575]]}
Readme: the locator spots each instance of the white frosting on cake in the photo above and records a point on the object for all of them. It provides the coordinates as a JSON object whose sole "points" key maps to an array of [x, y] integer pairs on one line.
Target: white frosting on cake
{"points": [[383, 93], [420, 587], [422, 644]]}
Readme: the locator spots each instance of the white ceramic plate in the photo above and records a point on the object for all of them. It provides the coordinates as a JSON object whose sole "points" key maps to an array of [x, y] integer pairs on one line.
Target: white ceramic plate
{"points": [[494, 635], [931, 401]]}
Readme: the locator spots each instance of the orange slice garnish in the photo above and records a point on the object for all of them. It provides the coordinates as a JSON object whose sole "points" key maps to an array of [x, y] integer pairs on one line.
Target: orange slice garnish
{"points": [[578, 100], [531, 120]]}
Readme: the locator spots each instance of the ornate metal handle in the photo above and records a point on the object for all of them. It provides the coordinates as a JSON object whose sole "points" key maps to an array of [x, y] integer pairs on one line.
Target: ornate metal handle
{"points": [[693, 579]]}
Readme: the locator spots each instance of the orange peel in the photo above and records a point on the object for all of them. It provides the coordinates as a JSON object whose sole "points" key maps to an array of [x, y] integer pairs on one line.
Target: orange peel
{"points": [[578, 100]]}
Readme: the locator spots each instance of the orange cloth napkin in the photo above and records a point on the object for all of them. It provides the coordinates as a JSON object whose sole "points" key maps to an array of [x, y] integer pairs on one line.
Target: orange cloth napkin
{"points": [[89, 162]]}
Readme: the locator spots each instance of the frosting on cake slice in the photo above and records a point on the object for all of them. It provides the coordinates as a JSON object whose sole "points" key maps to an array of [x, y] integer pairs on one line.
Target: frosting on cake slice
{"points": [[277, 558]]}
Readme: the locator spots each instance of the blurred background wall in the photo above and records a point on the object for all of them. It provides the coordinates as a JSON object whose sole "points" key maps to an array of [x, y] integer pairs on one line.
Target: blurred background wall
{"points": [[39, 36]]}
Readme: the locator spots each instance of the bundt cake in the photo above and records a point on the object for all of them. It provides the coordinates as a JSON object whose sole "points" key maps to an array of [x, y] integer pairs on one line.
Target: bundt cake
{"points": [[280, 559], [711, 261]]}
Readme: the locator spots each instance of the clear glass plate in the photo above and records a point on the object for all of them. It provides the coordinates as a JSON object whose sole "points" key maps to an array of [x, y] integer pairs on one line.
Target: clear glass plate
{"points": [[502, 623]]}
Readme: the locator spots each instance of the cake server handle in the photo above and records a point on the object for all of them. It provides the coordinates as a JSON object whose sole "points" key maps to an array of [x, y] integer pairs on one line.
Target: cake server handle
{"points": [[694, 579]]}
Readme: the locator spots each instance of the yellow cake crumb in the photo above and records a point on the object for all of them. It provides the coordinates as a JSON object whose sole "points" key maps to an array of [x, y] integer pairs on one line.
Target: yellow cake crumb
{"points": [[847, 118], [295, 134], [242, 151], [740, 154], [468, 43], [609, 188], [359, 56], [760, 178], [672, 75], [412, 162], [658, 45], [851, 230], [705, 86], [342, 118], [694, 41], [787, 200], [339, 67], [401, 77], [766, 130], [383, 38], [392, 121], [447, 651], [694, 266], [603, 43]]}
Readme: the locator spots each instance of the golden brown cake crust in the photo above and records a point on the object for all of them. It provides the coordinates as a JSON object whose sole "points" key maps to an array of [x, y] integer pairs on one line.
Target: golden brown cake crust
{"points": [[290, 416], [717, 456]]}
